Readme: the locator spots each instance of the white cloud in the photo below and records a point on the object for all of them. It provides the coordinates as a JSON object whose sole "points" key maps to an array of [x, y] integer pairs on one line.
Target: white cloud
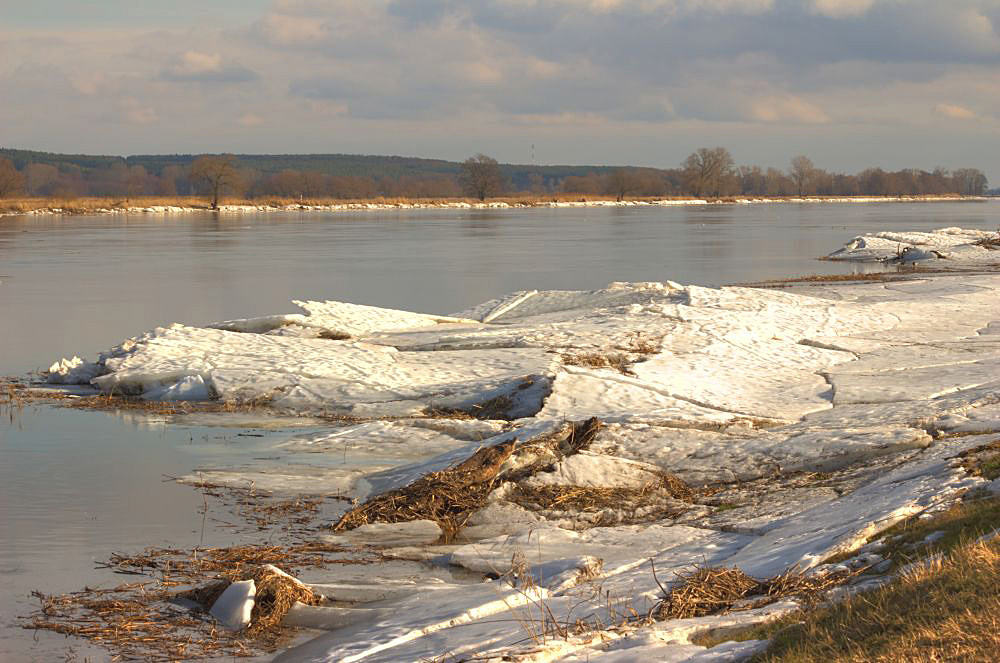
{"points": [[288, 29], [786, 108], [195, 66], [954, 112], [250, 120], [842, 8], [136, 112], [193, 63]]}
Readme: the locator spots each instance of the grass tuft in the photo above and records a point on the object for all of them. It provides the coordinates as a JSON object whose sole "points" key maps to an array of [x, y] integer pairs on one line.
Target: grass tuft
{"points": [[947, 609]]}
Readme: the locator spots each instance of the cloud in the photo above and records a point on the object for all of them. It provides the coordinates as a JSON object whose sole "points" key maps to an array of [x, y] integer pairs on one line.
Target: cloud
{"points": [[250, 120], [285, 29], [136, 112], [954, 112], [842, 8], [397, 74], [786, 108], [195, 66]]}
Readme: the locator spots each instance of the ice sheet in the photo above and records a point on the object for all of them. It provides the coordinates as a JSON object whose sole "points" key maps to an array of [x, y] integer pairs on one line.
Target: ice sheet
{"points": [[812, 412]]}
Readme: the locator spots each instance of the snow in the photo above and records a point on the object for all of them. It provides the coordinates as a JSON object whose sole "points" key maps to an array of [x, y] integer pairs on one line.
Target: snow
{"points": [[812, 413]]}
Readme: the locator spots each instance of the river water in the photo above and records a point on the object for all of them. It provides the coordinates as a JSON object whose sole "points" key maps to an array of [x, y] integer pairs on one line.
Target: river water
{"points": [[76, 486]]}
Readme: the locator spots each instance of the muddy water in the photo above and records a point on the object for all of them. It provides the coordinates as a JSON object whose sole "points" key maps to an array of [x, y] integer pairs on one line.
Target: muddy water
{"points": [[76, 486]]}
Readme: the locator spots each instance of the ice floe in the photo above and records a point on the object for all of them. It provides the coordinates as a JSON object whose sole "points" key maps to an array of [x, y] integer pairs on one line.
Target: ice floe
{"points": [[956, 246], [800, 421]]}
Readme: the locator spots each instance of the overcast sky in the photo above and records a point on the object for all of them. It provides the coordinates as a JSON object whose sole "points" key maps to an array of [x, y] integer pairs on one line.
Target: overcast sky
{"points": [[850, 83]]}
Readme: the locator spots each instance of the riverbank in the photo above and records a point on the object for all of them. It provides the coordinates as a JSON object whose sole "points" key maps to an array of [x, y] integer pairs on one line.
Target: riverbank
{"points": [[172, 206], [585, 451]]}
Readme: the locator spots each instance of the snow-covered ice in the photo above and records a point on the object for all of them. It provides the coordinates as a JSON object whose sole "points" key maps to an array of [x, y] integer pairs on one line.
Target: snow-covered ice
{"points": [[947, 246], [811, 416]]}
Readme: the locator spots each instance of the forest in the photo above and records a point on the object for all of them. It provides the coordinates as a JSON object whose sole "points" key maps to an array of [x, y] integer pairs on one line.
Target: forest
{"points": [[706, 173]]}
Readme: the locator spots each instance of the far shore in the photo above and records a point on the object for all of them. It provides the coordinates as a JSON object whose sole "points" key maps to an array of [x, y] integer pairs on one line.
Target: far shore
{"points": [[185, 205]]}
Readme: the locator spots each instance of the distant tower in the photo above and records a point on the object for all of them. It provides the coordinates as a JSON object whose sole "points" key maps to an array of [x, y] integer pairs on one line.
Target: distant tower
{"points": [[532, 154]]}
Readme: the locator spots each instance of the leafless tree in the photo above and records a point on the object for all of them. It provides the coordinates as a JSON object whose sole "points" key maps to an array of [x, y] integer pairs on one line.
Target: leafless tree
{"points": [[707, 170], [481, 176], [217, 174], [11, 181], [970, 181], [622, 182], [802, 173]]}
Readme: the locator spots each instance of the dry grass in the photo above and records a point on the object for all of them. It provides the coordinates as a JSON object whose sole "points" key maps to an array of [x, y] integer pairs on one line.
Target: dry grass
{"points": [[134, 622], [873, 277], [117, 402], [947, 609], [616, 361], [13, 398], [493, 409], [712, 591], [905, 541], [449, 497], [174, 567], [497, 408], [89, 204], [634, 349], [587, 499], [144, 621], [991, 243], [275, 594]]}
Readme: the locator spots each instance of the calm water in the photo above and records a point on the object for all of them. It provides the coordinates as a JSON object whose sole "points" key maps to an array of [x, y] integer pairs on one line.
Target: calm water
{"points": [[75, 486]]}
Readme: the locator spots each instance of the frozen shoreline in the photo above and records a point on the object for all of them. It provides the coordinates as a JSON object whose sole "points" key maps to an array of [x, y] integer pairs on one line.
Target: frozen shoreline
{"points": [[382, 206], [751, 391]]}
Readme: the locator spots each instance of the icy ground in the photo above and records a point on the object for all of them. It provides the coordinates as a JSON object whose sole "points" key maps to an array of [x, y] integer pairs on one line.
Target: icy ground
{"points": [[946, 247], [810, 419]]}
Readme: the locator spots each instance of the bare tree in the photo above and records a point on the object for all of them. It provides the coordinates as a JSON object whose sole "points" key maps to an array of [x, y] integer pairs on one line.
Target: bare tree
{"points": [[970, 181], [802, 173], [622, 182], [481, 176], [217, 174], [707, 170], [11, 181]]}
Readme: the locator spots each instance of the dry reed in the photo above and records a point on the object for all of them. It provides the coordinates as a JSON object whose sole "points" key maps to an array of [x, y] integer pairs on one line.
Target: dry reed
{"points": [[449, 497], [711, 591]]}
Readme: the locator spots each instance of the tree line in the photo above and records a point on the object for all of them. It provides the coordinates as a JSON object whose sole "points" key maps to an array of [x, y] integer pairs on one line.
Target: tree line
{"points": [[705, 173]]}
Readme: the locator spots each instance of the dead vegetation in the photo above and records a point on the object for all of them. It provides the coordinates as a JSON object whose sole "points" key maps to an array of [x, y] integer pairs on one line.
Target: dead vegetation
{"points": [[917, 537], [713, 591], [449, 497], [274, 595], [983, 461], [135, 622], [497, 408], [260, 510], [616, 361], [174, 567], [991, 243], [652, 502], [112, 401], [13, 398], [145, 620], [620, 358], [150, 620]]}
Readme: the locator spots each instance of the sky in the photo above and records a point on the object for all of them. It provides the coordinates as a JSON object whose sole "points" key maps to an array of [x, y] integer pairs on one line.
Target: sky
{"points": [[849, 83]]}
